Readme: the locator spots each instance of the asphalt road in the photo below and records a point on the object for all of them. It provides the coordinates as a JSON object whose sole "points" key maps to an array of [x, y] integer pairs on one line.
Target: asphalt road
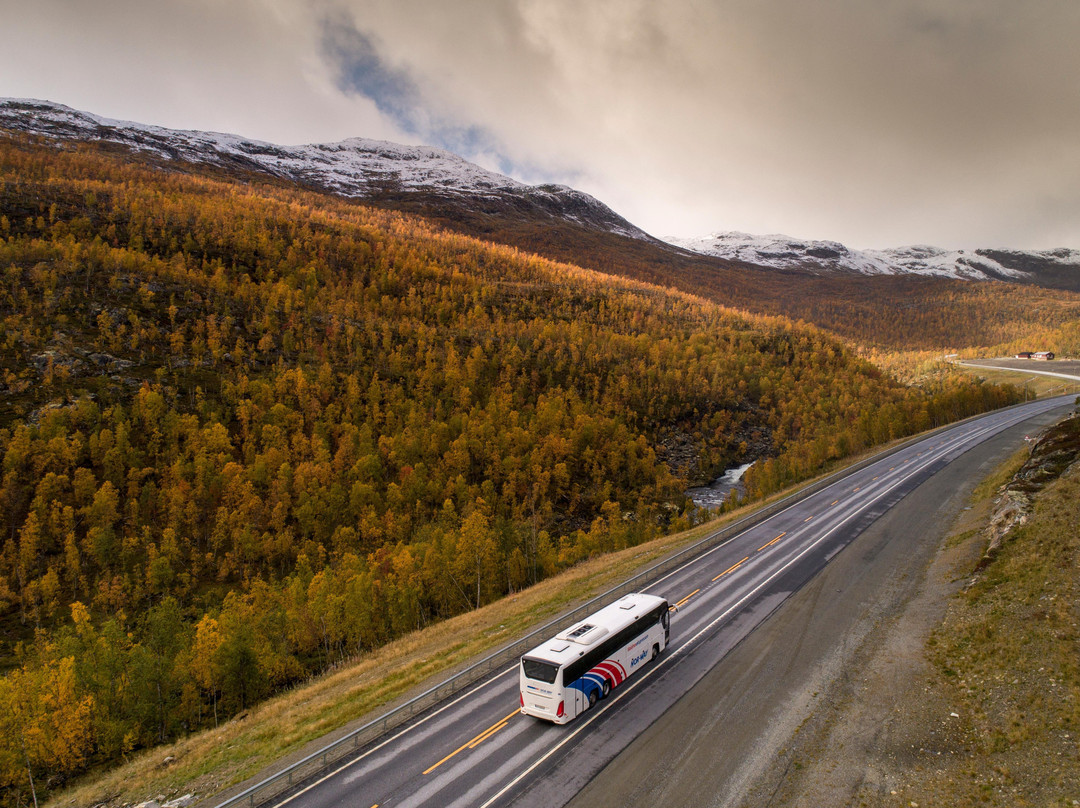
{"points": [[1058, 368], [477, 750]]}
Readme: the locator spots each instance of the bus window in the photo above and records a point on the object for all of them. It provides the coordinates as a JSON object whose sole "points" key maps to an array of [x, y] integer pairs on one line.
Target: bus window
{"points": [[540, 671]]}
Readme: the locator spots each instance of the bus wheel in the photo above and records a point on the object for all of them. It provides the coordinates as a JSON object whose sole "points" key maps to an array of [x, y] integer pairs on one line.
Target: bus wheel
{"points": [[607, 688], [655, 652], [592, 698]]}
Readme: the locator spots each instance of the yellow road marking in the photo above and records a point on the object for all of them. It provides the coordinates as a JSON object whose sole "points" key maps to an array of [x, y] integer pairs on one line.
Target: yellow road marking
{"points": [[681, 602], [857, 487], [732, 568], [487, 733], [874, 479], [807, 519], [833, 502], [762, 547], [479, 740]]}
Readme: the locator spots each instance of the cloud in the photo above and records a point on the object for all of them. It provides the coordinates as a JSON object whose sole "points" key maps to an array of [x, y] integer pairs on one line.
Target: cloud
{"points": [[246, 66], [360, 70], [946, 121]]}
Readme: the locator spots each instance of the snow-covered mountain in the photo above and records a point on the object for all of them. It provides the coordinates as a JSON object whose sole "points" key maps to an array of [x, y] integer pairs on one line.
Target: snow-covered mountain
{"points": [[830, 257], [555, 220], [356, 168]]}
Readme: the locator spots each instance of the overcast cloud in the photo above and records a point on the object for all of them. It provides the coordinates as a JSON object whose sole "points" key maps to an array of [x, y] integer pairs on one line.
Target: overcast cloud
{"points": [[884, 123]]}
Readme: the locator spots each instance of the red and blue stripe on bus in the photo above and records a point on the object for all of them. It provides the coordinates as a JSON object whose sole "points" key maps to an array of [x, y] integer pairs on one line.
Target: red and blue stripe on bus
{"points": [[609, 670]]}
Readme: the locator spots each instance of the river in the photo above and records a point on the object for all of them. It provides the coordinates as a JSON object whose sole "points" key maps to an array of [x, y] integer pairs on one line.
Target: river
{"points": [[716, 493]]}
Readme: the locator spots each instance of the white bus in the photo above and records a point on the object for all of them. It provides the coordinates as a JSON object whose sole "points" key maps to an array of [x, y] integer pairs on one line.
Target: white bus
{"points": [[566, 675]]}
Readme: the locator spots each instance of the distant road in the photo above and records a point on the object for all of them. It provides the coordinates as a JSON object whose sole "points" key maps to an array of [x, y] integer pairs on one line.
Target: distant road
{"points": [[1059, 368], [478, 750]]}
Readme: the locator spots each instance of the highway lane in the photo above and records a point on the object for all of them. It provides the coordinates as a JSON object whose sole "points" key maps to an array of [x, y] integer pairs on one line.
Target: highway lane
{"points": [[477, 750]]}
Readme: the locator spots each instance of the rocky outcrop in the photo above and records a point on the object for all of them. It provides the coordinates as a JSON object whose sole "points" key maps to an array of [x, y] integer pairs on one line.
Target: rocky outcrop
{"points": [[1052, 453], [1010, 511]]}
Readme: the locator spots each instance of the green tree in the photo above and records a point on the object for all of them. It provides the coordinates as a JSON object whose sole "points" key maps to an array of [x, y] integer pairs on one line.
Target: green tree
{"points": [[476, 556]]}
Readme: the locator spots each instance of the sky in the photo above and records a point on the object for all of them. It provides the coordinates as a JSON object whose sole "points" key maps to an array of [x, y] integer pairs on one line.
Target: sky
{"points": [[876, 123]]}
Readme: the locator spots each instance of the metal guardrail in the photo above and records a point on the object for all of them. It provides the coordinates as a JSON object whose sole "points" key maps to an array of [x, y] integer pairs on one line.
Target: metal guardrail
{"points": [[318, 761]]}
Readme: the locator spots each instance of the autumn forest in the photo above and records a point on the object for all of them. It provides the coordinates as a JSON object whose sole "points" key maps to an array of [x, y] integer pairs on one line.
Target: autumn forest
{"points": [[248, 432]]}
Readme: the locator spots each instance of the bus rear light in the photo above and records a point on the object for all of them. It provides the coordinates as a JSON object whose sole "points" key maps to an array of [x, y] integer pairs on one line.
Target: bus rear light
{"points": [[522, 697], [561, 711]]}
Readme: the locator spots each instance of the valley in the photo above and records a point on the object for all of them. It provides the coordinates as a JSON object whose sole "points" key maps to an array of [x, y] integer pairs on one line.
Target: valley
{"points": [[265, 411]]}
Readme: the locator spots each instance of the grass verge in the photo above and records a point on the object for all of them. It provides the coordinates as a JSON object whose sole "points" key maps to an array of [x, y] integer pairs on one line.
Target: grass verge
{"points": [[1007, 655]]}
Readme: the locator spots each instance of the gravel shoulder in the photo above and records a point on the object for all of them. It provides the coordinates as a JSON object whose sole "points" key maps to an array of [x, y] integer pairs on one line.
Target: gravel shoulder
{"points": [[885, 722]]}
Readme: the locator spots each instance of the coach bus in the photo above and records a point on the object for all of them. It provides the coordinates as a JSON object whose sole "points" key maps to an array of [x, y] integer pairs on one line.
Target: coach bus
{"points": [[569, 673]]}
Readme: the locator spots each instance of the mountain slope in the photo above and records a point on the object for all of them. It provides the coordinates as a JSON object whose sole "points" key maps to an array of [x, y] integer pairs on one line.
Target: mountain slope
{"points": [[356, 168], [444, 186], [565, 225], [554, 221], [1058, 268]]}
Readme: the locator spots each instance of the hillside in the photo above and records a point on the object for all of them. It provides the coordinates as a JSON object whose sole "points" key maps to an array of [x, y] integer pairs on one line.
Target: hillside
{"points": [[248, 432], [376, 171], [925, 310]]}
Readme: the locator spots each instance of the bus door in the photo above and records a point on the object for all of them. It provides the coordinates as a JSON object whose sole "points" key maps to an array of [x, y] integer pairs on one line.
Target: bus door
{"points": [[580, 702]]}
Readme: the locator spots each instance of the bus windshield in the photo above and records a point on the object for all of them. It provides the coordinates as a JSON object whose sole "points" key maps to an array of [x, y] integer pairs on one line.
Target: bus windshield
{"points": [[539, 670]]}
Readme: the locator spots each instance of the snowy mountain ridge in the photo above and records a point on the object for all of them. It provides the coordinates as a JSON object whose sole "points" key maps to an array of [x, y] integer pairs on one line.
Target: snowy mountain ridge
{"points": [[357, 167], [830, 257], [460, 194]]}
